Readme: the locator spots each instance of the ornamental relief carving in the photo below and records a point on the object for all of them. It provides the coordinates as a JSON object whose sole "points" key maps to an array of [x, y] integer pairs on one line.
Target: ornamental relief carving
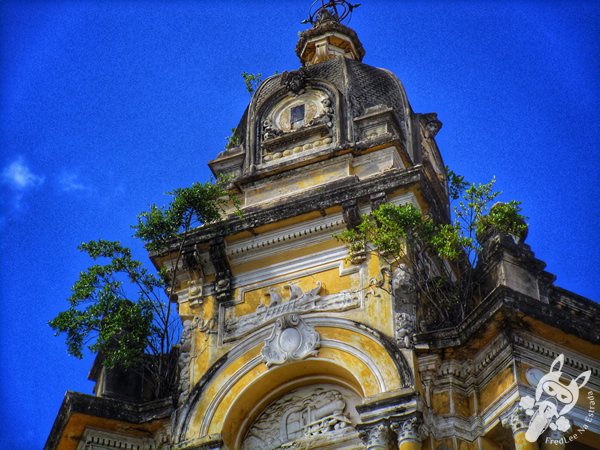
{"points": [[297, 124], [299, 302], [290, 340], [405, 330], [295, 81], [304, 417], [411, 429], [376, 436]]}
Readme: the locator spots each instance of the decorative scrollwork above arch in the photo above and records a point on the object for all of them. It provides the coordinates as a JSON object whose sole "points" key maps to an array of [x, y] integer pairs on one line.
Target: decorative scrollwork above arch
{"points": [[290, 340]]}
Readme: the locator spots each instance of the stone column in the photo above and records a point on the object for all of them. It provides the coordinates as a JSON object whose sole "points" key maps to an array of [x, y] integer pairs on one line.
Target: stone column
{"points": [[518, 421], [553, 440], [408, 433], [376, 436]]}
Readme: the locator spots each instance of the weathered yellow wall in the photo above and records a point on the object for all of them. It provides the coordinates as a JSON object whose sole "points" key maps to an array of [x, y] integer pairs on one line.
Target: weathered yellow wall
{"points": [[461, 404], [440, 402], [78, 422], [466, 445], [493, 391], [561, 338], [488, 444], [377, 312], [258, 382]]}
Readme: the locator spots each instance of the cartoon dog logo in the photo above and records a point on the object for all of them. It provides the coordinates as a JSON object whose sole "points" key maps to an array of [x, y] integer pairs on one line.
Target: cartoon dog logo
{"points": [[553, 399]]}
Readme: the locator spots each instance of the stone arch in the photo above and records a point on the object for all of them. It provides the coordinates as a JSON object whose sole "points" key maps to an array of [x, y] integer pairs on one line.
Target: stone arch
{"points": [[259, 395], [253, 381], [351, 355]]}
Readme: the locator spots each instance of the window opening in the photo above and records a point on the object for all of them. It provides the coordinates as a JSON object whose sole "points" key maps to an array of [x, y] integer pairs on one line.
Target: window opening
{"points": [[297, 116]]}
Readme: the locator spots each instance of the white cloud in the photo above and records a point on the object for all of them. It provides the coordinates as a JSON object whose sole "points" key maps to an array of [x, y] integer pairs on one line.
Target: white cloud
{"points": [[69, 182], [20, 177]]}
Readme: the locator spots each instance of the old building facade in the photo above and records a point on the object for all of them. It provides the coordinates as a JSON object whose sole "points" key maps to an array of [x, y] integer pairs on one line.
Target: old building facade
{"points": [[290, 342]]}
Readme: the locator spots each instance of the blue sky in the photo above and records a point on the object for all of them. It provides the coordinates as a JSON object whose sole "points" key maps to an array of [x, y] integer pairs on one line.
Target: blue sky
{"points": [[107, 105]]}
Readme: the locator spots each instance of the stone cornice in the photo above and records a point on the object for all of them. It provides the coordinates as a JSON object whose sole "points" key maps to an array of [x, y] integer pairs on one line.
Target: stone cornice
{"points": [[570, 313], [318, 199], [134, 413]]}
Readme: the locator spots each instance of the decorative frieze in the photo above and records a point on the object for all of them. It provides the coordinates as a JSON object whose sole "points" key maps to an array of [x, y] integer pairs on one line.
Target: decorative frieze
{"points": [[402, 281], [315, 414], [285, 239], [103, 440], [185, 349], [537, 350], [403, 290], [405, 330], [235, 327], [475, 371]]}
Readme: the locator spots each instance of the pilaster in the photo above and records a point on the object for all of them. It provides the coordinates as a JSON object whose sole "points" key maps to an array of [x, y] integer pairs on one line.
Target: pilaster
{"points": [[517, 421], [376, 436], [408, 433]]}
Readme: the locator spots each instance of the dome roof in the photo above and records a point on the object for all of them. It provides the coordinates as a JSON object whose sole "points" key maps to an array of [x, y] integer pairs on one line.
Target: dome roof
{"points": [[363, 105], [362, 87]]}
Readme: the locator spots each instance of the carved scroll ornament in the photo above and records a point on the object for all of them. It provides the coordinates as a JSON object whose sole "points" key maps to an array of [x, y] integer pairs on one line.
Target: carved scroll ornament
{"points": [[290, 340]]}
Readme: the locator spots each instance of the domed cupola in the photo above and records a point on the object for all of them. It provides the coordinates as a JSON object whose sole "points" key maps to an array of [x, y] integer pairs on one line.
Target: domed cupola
{"points": [[334, 106]]}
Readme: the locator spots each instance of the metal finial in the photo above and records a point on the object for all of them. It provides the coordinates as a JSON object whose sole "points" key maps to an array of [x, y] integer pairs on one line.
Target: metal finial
{"points": [[325, 10]]}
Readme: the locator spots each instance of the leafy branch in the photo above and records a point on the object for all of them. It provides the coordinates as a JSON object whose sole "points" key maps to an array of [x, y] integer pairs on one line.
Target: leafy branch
{"points": [[441, 256], [232, 140], [252, 81], [199, 204], [122, 311]]}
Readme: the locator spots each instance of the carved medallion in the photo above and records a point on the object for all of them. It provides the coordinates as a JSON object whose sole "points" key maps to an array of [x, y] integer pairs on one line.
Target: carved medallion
{"points": [[290, 340]]}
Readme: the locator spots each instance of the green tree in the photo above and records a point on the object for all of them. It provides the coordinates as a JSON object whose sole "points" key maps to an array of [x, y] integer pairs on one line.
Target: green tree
{"points": [[122, 310], [232, 140], [252, 81], [442, 257]]}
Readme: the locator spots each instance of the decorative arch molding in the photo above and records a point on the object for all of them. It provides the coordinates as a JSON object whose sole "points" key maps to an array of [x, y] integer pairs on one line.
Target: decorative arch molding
{"points": [[253, 400], [260, 107], [400, 363], [242, 372]]}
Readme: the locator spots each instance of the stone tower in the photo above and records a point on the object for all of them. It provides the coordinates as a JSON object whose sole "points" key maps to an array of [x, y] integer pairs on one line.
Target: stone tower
{"points": [[290, 342]]}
